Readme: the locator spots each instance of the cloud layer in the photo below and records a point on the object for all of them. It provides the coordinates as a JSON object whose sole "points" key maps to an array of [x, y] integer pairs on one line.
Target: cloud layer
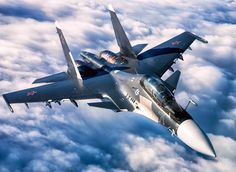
{"points": [[67, 138]]}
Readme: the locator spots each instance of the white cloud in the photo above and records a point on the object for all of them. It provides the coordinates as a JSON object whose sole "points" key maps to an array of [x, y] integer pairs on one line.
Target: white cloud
{"points": [[228, 123], [156, 154], [92, 168]]}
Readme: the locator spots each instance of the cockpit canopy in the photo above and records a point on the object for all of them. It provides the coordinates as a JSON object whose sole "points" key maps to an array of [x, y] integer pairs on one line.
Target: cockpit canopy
{"points": [[158, 90]]}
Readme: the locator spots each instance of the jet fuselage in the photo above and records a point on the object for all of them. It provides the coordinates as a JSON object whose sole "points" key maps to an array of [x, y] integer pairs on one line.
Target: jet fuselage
{"points": [[149, 96]]}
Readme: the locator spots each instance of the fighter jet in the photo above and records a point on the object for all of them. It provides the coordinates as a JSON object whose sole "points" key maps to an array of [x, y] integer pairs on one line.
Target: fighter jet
{"points": [[125, 81]]}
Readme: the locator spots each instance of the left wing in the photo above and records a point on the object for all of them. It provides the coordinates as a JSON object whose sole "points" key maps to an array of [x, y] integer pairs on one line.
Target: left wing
{"points": [[67, 85], [54, 92], [160, 58]]}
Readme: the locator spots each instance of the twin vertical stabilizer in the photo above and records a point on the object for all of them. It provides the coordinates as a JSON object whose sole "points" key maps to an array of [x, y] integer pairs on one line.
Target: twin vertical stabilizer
{"points": [[72, 70], [121, 38]]}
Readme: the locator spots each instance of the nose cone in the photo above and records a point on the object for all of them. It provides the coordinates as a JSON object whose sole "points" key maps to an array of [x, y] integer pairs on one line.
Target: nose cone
{"points": [[190, 133]]}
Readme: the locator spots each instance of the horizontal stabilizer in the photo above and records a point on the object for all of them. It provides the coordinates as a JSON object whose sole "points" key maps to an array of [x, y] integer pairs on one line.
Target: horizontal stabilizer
{"points": [[172, 81], [138, 48], [52, 78], [106, 105]]}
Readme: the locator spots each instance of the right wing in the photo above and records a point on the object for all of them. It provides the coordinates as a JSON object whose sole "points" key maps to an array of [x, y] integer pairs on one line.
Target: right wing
{"points": [[160, 58]]}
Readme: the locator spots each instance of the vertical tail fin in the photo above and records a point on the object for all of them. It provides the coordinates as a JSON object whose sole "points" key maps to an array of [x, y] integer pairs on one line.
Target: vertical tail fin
{"points": [[72, 68], [121, 38]]}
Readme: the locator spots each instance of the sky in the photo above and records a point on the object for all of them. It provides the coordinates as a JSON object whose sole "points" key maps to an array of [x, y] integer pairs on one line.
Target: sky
{"points": [[66, 138]]}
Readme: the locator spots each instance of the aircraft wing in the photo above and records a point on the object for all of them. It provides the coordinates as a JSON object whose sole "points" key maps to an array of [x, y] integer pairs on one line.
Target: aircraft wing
{"points": [[94, 87], [161, 57], [79, 82], [67, 85], [52, 92]]}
